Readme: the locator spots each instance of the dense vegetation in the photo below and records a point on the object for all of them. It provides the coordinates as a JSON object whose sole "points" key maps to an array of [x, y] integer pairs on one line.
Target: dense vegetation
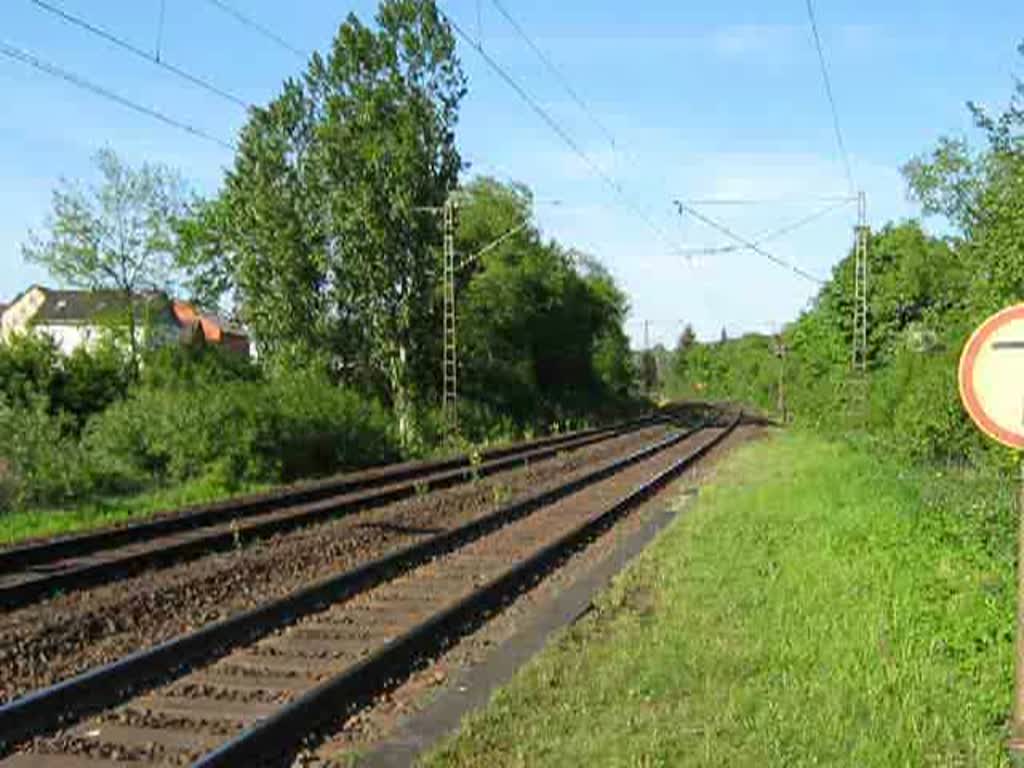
{"points": [[927, 294], [325, 243], [194, 414]]}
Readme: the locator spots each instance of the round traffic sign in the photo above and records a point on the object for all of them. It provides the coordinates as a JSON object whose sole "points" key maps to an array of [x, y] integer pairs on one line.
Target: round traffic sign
{"points": [[992, 376]]}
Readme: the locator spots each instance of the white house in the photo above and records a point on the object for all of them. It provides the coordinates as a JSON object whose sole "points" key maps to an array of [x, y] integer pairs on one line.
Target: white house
{"points": [[77, 318]]}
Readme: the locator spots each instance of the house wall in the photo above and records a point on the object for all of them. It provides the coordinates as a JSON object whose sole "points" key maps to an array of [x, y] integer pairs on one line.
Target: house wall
{"points": [[20, 313], [71, 337], [68, 337]]}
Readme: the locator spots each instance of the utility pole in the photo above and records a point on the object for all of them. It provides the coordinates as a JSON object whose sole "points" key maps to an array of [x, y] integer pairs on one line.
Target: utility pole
{"points": [[450, 360], [780, 350], [449, 350], [860, 289], [859, 356], [449, 336]]}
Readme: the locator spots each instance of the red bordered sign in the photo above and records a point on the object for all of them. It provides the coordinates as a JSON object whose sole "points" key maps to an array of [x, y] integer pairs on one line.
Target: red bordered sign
{"points": [[992, 377]]}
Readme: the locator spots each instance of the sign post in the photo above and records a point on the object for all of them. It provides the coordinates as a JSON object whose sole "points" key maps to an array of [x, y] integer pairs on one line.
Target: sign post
{"points": [[992, 390]]}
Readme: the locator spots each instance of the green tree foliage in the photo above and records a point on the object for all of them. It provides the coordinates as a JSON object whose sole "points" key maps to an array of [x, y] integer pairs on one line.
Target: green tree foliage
{"points": [[648, 371], [540, 327], [29, 369], [612, 357], [118, 235], [320, 228], [187, 366], [919, 321], [743, 369], [981, 192], [34, 373], [297, 425], [40, 461]]}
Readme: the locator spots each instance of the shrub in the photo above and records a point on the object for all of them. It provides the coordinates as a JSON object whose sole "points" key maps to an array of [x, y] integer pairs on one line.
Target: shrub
{"points": [[90, 380], [175, 366], [238, 431], [323, 428], [84, 383], [29, 369], [41, 464]]}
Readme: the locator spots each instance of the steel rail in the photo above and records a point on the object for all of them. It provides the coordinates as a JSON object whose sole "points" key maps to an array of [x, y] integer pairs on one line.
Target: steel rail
{"points": [[359, 684], [83, 574], [106, 686]]}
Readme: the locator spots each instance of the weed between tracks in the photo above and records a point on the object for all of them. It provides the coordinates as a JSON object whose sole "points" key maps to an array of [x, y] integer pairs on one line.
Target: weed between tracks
{"points": [[817, 605]]}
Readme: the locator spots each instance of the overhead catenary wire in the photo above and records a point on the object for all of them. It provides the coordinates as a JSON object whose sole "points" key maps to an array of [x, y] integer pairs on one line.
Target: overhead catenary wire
{"points": [[747, 243], [773, 234], [617, 147], [844, 156], [567, 86], [259, 28], [139, 52], [81, 82], [494, 244], [557, 128], [555, 72], [741, 201]]}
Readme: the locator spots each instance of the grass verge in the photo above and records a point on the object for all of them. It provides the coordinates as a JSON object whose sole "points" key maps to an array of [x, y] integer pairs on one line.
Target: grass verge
{"points": [[818, 605], [100, 512]]}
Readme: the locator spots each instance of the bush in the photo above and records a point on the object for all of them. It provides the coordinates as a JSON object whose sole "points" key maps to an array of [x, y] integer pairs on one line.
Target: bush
{"points": [[90, 380], [176, 366], [322, 428], [32, 369], [39, 462], [29, 370], [239, 431]]}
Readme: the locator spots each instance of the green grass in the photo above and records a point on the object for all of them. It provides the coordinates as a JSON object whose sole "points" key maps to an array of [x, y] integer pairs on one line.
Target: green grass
{"points": [[96, 513], [816, 606]]}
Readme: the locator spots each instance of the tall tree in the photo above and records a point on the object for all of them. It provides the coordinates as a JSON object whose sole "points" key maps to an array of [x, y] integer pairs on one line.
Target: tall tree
{"points": [[540, 326], [648, 372], [686, 339], [982, 194], [323, 225], [117, 235]]}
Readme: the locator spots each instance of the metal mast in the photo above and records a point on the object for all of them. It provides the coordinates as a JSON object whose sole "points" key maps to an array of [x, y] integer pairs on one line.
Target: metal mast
{"points": [[450, 361], [860, 290]]}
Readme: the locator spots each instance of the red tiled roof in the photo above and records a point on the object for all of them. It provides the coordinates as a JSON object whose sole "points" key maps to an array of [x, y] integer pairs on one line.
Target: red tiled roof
{"points": [[215, 330]]}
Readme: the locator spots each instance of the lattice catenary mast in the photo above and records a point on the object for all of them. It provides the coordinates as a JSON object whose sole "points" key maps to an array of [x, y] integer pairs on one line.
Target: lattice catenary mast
{"points": [[860, 289], [450, 360]]}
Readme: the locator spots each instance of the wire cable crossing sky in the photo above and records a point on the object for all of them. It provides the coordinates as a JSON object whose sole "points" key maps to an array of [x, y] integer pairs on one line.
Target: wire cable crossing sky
{"points": [[561, 132], [80, 82], [555, 72], [748, 243], [844, 156], [155, 59], [259, 28]]}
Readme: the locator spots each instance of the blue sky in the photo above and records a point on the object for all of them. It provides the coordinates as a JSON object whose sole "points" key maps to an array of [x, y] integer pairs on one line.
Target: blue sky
{"points": [[719, 99]]}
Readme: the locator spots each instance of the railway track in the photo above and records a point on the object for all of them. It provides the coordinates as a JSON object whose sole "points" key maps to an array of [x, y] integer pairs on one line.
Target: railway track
{"points": [[257, 685], [33, 572]]}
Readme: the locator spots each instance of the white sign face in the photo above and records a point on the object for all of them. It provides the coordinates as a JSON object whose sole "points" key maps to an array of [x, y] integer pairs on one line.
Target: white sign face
{"points": [[992, 376]]}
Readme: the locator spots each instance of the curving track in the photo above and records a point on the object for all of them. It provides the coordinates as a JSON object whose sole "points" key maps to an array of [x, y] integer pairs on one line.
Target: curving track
{"points": [[258, 684]]}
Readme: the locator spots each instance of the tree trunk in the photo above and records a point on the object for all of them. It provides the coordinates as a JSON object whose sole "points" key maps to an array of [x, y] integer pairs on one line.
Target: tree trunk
{"points": [[398, 381], [133, 345]]}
